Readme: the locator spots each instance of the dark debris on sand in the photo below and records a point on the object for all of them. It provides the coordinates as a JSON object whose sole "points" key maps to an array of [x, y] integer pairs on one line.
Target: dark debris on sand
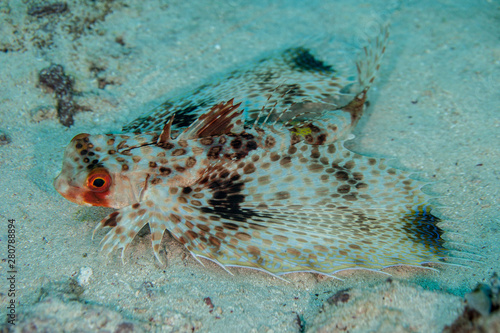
{"points": [[4, 139], [43, 9], [482, 312], [54, 79]]}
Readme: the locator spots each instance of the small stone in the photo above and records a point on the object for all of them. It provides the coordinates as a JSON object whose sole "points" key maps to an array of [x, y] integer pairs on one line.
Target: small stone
{"points": [[4, 139], [84, 276], [208, 301], [480, 299], [340, 296], [125, 328]]}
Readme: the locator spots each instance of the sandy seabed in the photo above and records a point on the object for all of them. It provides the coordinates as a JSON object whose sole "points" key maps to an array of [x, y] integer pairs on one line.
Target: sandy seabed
{"points": [[434, 107]]}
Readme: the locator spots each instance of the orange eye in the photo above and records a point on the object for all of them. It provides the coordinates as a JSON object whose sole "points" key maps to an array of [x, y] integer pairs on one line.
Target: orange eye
{"points": [[99, 180]]}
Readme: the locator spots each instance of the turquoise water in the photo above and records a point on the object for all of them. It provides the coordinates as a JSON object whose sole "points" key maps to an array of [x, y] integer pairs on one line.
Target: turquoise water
{"points": [[434, 107]]}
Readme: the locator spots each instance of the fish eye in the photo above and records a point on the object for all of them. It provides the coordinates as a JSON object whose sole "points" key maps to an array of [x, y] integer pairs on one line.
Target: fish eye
{"points": [[99, 180]]}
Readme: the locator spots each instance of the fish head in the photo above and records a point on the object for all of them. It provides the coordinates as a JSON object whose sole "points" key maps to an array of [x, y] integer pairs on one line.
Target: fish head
{"points": [[100, 170]]}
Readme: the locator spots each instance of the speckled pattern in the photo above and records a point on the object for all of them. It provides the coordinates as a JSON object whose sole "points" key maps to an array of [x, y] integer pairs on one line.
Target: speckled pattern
{"points": [[271, 188]]}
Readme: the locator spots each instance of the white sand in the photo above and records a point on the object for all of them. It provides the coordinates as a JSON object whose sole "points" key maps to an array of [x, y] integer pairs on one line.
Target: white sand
{"points": [[444, 56]]}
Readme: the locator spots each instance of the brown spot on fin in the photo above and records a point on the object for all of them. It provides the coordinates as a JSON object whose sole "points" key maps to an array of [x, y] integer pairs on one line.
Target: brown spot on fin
{"points": [[110, 220], [223, 118]]}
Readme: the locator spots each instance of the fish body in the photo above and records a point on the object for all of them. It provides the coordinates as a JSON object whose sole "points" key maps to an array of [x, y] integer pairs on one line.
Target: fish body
{"points": [[259, 180]]}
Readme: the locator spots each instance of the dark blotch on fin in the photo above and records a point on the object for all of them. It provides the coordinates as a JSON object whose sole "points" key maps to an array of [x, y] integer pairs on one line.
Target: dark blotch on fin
{"points": [[184, 116], [239, 215], [302, 60], [187, 115], [423, 227], [227, 199], [226, 194]]}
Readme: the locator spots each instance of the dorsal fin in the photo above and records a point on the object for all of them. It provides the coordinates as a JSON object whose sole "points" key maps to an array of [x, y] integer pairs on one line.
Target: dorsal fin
{"points": [[165, 134], [367, 66], [223, 118]]}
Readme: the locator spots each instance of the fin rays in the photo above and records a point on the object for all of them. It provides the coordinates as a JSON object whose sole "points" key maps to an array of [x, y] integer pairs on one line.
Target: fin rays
{"points": [[223, 118]]}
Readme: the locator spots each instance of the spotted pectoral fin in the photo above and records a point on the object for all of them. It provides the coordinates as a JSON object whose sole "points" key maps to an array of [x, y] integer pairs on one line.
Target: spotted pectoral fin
{"points": [[218, 229], [126, 223], [223, 118], [315, 239], [320, 208], [229, 241]]}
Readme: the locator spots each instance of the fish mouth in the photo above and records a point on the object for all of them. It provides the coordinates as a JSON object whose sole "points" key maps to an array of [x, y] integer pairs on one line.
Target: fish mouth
{"points": [[60, 184], [69, 192]]}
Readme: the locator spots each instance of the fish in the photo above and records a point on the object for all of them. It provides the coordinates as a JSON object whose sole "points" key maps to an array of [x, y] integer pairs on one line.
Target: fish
{"points": [[251, 170]]}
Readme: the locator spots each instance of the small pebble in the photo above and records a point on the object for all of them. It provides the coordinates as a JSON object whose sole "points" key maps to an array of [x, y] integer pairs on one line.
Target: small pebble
{"points": [[4, 139], [341, 296], [480, 299], [84, 276], [208, 301]]}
